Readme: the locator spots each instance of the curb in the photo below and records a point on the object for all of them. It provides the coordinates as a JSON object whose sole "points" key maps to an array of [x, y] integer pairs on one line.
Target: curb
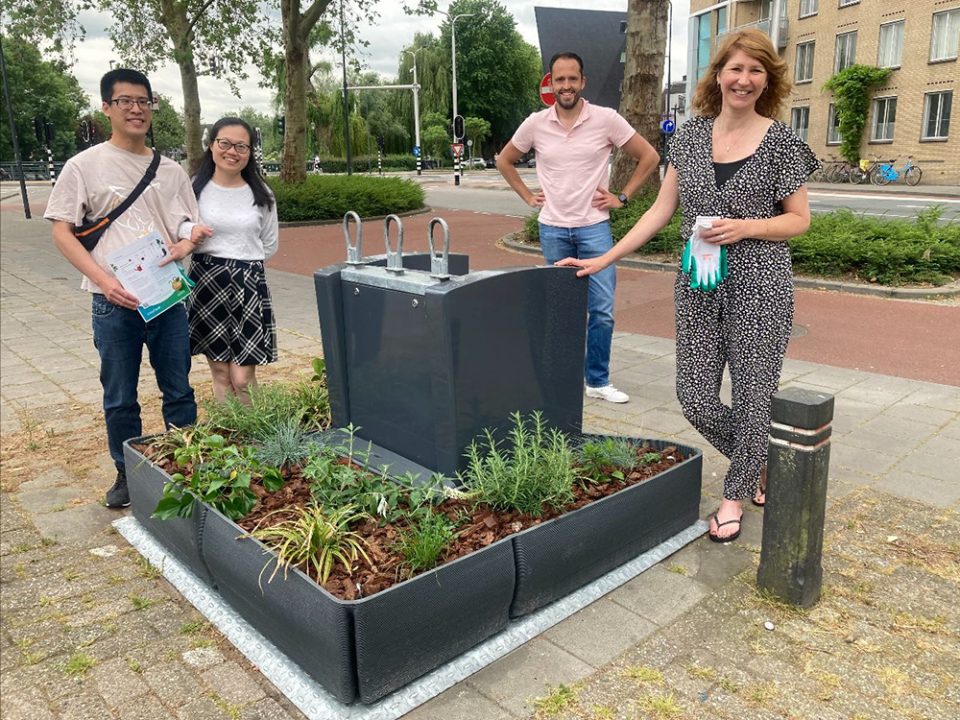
{"points": [[807, 283], [308, 223]]}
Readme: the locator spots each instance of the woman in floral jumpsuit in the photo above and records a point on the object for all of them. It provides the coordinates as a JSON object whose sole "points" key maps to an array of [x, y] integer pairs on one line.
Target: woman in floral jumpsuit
{"points": [[744, 172]]}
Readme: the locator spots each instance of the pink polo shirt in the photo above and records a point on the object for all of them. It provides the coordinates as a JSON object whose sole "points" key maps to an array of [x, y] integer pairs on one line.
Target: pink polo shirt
{"points": [[572, 164]]}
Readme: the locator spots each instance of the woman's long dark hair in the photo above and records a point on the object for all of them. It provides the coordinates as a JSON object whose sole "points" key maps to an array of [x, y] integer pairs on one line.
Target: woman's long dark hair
{"points": [[250, 173]]}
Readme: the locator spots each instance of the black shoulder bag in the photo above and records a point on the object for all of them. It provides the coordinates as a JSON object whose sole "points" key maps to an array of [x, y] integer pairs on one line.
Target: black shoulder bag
{"points": [[89, 233]]}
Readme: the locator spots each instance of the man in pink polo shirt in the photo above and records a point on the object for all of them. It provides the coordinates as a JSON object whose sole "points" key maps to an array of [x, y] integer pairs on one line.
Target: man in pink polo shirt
{"points": [[573, 141]]}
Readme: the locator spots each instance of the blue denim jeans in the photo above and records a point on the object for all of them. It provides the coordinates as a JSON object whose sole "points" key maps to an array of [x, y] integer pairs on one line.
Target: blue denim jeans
{"points": [[589, 242], [119, 335]]}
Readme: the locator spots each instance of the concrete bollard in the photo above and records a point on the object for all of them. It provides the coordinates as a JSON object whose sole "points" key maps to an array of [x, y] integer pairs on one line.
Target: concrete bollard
{"points": [[798, 459]]}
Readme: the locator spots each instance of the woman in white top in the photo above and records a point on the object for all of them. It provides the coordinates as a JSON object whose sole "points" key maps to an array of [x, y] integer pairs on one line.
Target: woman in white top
{"points": [[231, 313]]}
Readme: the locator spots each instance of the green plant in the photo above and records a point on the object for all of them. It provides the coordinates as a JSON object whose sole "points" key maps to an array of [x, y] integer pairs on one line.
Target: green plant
{"points": [[78, 664], [534, 472], [285, 444], [601, 461], [220, 476], [314, 538], [271, 404], [851, 88], [423, 541], [322, 197], [666, 242]]}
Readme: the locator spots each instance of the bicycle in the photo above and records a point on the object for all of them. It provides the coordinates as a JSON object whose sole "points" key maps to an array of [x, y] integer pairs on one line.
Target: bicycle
{"points": [[839, 172], [885, 173], [861, 173]]}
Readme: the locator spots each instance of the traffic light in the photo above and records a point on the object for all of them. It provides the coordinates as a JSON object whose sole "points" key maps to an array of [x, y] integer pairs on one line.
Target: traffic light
{"points": [[39, 129], [458, 127], [281, 124], [380, 143]]}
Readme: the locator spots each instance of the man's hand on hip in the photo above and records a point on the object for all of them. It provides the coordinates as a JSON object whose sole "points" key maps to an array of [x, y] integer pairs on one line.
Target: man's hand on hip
{"points": [[537, 199], [603, 199]]}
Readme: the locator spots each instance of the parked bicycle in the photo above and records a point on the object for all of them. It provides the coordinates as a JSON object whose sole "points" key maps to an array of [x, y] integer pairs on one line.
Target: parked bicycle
{"points": [[886, 173], [836, 170], [861, 173]]}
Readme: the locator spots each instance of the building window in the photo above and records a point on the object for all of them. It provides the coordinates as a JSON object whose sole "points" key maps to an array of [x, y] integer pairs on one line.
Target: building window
{"points": [[623, 27], [846, 51], [721, 21], [844, 3], [944, 35], [765, 9], [884, 119], [936, 115], [891, 45], [803, 72], [833, 127], [800, 121], [808, 7], [703, 44]]}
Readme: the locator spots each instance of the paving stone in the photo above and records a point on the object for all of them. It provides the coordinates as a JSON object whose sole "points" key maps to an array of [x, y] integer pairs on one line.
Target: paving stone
{"points": [[233, 683], [117, 682], [909, 484], [600, 632], [24, 704], [84, 525], [515, 681], [204, 657], [83, 705], [146, 708], [202, 709], [172, 682], [659, 595], [461, 702]]}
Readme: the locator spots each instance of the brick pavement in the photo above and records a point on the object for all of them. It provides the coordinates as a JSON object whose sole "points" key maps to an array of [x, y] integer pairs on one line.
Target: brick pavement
{"points": [[89, 631]]}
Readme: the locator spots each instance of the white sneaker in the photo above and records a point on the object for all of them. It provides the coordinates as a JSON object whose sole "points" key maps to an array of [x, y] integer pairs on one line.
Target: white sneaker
{"points": [[608, 393]]}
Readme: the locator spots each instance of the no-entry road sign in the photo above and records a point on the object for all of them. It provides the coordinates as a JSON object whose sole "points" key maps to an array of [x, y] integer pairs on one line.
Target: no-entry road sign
{"points": [[546, 91]]}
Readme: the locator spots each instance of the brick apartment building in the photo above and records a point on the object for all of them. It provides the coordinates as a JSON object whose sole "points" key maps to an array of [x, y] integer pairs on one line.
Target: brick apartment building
{"points": [[918, 39]]}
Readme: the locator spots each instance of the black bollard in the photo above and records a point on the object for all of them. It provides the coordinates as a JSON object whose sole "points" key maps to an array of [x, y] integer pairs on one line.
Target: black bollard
{"points": [[798, 459]]}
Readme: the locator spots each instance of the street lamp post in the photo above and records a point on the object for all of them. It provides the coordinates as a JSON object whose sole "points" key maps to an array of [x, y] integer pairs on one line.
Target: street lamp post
{"points": [[416, 109], [453, 60]]}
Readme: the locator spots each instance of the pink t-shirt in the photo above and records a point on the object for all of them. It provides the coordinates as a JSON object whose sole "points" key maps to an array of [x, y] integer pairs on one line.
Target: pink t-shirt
{"points": [[572, 164]]}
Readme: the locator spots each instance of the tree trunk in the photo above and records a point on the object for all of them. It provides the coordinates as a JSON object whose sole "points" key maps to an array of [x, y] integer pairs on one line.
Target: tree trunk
{"points": [[296, 33], [641, 101], [173, 16]]}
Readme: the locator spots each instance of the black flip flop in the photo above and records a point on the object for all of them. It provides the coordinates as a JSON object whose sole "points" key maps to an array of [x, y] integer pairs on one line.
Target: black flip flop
{"points": [[728, 538]]}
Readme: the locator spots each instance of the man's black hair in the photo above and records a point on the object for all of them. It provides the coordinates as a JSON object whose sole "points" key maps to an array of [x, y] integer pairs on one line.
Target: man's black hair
{"points": [[567, 56], [134, 77]]}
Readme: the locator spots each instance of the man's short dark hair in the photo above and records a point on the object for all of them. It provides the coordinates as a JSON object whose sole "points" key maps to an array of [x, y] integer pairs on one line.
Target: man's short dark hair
{"points": [[567, 56], [134, 77]]}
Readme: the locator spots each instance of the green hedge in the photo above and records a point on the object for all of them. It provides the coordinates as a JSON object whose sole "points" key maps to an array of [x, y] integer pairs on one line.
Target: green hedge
{"points": [[838, 244], [365, 163], [322, 197]]}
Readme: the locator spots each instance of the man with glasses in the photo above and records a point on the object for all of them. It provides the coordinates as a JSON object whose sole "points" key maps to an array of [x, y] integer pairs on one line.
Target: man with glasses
{"points": [[93, 183], [573, 140]]}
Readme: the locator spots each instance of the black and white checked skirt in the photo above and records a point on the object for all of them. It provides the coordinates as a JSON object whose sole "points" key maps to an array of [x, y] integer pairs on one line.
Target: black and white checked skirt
{"points": [[230, 311]]}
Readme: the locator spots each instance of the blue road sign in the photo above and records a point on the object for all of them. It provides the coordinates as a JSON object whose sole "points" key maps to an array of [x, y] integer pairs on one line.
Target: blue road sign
{"points": [[668, 126], [416, 151]]}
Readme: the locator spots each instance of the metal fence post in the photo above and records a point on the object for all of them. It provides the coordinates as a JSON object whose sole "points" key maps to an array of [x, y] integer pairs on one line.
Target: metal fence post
{"points": [[798, 459]]}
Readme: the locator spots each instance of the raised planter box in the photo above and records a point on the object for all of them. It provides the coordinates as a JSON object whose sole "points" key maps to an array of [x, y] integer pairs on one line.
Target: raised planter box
{"points": [[181, 536], [566, 553], [365, 649]]}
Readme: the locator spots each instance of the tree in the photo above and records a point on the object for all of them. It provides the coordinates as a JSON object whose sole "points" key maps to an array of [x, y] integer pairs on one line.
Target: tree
{"points": [[477, 129], [498, 73], [640, 99], [219, 34], [167, 127], [271, 140], [43, 89]]}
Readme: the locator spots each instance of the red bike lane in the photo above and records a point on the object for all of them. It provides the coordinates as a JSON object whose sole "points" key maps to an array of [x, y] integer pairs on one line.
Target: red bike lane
{"points": [[905, 338]]}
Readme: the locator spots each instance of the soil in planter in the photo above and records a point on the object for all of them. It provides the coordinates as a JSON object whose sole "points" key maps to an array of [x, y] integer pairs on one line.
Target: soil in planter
{"points": [[477, 526]]}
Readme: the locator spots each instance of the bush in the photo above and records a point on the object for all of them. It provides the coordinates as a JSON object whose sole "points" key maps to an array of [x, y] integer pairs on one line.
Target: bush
{"points": [[889, 252], [667, 241], [322, 197], [366, 163], [838, 244]]}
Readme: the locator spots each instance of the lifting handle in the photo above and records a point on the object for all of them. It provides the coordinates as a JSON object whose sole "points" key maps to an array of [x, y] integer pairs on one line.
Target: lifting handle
{"points": [[439, 263], [394, 259], [354, 256]]}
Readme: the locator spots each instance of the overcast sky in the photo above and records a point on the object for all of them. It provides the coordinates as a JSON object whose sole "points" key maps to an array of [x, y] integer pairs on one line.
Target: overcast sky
{"points": [[387, 37]]}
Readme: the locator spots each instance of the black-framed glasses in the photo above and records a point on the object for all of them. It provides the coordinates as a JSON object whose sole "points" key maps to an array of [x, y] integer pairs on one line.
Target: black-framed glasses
{"points": [[224, 144], [125, 103]]}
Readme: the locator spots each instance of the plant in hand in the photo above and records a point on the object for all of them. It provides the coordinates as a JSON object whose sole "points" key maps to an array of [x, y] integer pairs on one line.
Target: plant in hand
{"points": [[313, 538], [220, 475], [534, 471]]}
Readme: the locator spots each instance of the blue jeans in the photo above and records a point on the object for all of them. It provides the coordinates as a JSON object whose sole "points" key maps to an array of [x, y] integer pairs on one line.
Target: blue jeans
{"points": [[589, 242], [119, 335]]}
